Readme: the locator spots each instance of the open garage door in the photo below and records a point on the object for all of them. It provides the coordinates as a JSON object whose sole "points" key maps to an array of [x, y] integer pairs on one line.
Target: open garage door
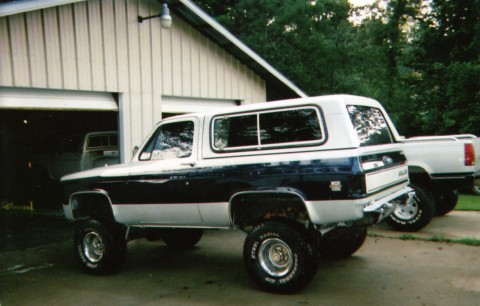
{"points": [[14, 98], [41, 132]]}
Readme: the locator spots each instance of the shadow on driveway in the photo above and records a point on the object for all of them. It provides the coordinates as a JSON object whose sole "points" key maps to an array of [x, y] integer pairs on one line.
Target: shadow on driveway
{"points": [[21, 230]]}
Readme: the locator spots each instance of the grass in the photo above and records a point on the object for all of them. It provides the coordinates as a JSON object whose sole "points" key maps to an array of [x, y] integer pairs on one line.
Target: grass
{"points": [[465, 241], [468, 202]]}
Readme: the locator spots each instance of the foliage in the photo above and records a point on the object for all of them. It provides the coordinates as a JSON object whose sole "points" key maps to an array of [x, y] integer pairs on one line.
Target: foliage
{"points": [[420, 58]]}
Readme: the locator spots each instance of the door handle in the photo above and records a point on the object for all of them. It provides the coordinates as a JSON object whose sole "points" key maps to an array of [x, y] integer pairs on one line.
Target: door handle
{"points": [[191, 164]]}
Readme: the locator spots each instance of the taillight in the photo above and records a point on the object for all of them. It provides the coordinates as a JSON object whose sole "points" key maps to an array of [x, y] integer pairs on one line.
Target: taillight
{"points": [[469, 154]]}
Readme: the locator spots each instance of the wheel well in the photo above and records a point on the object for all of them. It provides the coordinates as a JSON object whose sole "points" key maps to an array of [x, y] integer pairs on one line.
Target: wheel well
{"points": [[419, 176], [248, 209], [94, 204]]}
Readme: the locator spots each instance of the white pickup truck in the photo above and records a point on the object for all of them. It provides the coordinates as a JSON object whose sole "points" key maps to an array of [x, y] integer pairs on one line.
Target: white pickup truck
{"points": [[438, 166], [79, 152]]}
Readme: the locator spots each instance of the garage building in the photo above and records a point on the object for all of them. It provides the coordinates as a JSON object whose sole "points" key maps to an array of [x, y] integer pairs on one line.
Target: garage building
{"points": [[88, 65]]}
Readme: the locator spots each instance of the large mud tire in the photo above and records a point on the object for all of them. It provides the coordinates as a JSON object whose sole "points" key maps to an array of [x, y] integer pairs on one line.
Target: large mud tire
{"points": [[280, 258], [342, 242], [415, 215], [100, 246]]}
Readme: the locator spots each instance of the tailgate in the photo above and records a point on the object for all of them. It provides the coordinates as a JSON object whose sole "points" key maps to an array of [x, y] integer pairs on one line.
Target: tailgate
{"points": [[383, 170]]}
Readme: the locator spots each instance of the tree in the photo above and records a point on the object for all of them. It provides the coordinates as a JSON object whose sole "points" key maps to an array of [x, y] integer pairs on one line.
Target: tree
{"points": [[447, 57], [419, 58]]}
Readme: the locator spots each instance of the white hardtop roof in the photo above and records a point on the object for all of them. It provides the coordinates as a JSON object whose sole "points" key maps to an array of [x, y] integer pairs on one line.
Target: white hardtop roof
{"points": [[341, 98]]}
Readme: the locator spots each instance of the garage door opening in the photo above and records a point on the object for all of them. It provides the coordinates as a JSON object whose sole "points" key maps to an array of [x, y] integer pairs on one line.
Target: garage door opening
{"points": [[30, 138]]}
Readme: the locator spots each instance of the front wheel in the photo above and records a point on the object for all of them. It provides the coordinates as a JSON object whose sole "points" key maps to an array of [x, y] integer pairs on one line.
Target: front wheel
{"points": [[279, 258], [100, 247], [413, 211]]}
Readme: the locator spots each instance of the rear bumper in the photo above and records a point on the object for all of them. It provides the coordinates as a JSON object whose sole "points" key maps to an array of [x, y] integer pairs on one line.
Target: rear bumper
{"points": [[381, 209], [366, 211]]}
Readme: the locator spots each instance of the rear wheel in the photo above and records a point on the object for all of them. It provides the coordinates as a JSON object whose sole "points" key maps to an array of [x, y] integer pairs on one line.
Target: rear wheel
{"points": [[445, 201], [412, 213], [342, 242], [100, 247], [182, 238], [279, 257], [476, 189]]}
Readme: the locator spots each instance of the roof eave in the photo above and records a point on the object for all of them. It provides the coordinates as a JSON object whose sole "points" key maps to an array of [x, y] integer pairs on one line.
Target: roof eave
{"points": [[12, 8]]}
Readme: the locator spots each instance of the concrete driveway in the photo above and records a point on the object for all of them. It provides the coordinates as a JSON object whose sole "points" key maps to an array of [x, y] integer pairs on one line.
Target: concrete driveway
{"points": [[385, 271]]}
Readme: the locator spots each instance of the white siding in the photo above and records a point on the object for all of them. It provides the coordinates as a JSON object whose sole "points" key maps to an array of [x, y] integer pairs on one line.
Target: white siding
{"points": [[99, 46]]}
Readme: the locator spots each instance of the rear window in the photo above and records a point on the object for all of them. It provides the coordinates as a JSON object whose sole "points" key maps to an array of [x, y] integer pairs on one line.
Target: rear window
{"points": [[268, 129], [370, 125], [102, 141]]}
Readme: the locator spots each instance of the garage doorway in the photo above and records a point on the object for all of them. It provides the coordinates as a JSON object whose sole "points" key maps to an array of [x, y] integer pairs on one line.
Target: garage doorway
{"points": [[29, 139], [33, 126]]}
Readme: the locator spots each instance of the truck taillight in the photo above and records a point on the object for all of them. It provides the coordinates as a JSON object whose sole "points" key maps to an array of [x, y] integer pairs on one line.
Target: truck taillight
{"points": [[469, 154]]}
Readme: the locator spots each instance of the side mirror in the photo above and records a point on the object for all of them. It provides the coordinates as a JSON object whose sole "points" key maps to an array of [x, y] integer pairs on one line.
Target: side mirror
{"points": [[135, 150]]}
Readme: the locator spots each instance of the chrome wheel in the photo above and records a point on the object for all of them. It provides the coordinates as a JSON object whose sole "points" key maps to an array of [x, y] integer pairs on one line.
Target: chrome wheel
{"points": [[93, 247], [408, 209], [275, 257]]}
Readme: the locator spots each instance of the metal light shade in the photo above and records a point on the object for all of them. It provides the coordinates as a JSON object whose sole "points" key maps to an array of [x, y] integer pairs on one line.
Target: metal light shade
{"points": [[165, 18]]}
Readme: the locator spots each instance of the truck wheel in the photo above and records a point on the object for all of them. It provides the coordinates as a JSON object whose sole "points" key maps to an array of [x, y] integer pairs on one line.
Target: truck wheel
{"points": [[182, 238], [342, 242], [445, 201], [411, 216], [100, 247], [279, 258]]}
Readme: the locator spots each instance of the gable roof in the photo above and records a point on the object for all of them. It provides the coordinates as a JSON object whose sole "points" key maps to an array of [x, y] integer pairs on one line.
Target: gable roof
{"points": [[205, 24]]}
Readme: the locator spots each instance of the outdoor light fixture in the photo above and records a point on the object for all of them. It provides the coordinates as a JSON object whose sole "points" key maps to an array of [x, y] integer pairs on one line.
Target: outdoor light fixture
{"points": [[165, 18]]}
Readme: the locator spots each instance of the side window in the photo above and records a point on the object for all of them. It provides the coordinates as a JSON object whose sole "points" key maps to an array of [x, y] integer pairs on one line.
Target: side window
{"points": [[370, 125], [171, 140], [289, 126], [239, 131], [267, 129]]}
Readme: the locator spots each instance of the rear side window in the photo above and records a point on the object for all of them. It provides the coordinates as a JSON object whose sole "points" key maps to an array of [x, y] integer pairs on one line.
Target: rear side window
{"points": [[268, 129], [370, 125]]}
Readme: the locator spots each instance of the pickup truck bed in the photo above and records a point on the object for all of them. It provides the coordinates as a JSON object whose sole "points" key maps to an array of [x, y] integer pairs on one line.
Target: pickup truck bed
{"points": [[438, 167]]}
